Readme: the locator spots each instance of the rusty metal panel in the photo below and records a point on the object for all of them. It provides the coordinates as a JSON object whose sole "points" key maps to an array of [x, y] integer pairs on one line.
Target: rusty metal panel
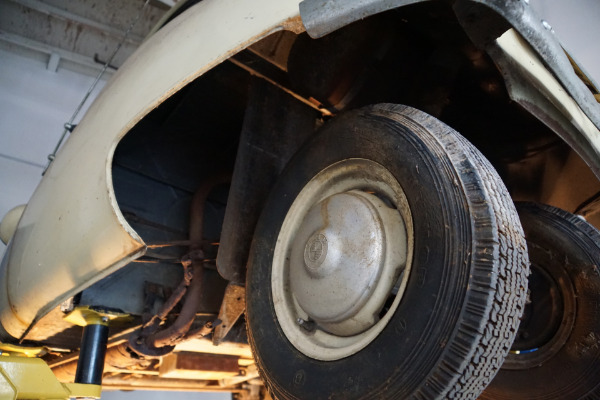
{"points": [[185, 365], [232, 308]]}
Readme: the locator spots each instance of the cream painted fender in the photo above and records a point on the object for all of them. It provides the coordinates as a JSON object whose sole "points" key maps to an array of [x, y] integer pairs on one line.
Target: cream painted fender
{"points": [[72, 233]]}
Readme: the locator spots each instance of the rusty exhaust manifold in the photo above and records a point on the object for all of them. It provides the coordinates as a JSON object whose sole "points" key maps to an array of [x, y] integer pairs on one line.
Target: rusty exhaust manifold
{"points": [[150, 340]]}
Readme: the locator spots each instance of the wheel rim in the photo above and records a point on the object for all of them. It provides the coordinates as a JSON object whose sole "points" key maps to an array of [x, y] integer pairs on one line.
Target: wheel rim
{"points": [[548, 319], [539, 326], [342, 259]]}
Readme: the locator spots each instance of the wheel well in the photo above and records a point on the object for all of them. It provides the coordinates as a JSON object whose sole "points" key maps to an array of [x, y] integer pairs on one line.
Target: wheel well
{"points": [[248, 108], [416, 55]]}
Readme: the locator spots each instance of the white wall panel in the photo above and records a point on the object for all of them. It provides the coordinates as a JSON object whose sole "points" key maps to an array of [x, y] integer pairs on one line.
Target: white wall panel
{"points": [[34, 105], [575, 22]]}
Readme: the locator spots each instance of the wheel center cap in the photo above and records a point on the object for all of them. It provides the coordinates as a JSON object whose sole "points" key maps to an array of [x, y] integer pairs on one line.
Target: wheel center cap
{"points": [[337, 260]]}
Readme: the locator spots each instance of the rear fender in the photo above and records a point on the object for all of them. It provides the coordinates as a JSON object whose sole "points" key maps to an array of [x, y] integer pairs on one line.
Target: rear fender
{"points": [[72, 233], [573, 112]]}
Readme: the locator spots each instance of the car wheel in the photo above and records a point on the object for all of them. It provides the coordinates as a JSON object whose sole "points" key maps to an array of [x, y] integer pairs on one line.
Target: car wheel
{"points": [[556, 354], [389, 262]]}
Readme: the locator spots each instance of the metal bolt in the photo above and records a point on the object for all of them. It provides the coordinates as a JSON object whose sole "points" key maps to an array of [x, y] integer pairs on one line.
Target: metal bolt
{"points": [[526, 1], [69, 127], [546, 25], [308, 325]]}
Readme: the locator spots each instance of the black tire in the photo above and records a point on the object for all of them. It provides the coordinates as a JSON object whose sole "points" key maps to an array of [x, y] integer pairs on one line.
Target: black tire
{"points": [[465, 293], [561, 321]]}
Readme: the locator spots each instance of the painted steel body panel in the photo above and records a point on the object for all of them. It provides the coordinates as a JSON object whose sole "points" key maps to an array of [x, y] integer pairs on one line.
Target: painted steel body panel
{"points": [[72, 233], [536, 89]]}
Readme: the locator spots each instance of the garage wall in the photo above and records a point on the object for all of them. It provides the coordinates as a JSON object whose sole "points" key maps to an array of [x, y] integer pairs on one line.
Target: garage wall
{"points": [[575, 23], [34, 105]]}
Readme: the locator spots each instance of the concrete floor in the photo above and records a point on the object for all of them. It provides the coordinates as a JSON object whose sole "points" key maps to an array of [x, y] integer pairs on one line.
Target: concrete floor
{"points": [[138, 395]]}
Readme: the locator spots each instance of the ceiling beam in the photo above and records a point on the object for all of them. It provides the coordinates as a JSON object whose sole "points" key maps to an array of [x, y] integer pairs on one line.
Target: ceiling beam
{"points": [[29, 44], [56, 12]]}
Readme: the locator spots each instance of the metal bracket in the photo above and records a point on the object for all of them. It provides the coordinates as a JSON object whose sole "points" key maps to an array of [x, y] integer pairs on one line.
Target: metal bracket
{"points": [[23, 351], [89, 315], [232, 308]]}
